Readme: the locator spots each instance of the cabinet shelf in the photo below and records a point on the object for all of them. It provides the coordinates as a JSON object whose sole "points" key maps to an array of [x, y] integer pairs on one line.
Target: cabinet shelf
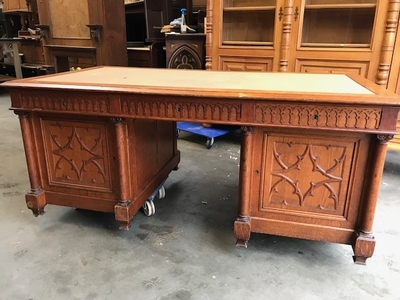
{"points": [[341, 6], [334, 45], [249, 27], [315, 36], [250, 8], [337, 26], [246, 43], [340, 2]]}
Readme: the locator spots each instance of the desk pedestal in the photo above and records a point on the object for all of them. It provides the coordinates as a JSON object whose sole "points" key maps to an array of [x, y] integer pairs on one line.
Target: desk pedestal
{"points": [[96, 163], [310, 184]]}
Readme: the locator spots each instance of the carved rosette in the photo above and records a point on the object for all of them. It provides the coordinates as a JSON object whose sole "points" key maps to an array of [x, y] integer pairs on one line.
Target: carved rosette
{"points": [[21, 114], [247, 130], [384, 138]]}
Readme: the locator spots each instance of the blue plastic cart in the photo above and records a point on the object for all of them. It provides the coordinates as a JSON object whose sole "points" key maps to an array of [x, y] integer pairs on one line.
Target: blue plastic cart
{"points": [[209, 132]]}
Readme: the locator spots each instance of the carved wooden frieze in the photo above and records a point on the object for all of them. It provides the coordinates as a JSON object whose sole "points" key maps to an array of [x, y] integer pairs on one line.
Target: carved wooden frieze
{"points": [[92, 104], [319, 116], [77, 154], [174, 109]]}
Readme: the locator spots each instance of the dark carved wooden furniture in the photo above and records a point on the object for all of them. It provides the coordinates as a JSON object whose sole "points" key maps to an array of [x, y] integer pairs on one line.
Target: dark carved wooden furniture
{"points": [[144, 20], [185, 51], [312, 151]]}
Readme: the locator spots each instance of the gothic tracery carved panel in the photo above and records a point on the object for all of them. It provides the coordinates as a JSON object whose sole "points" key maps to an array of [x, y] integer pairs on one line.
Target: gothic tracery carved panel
{"points": [[315, 179], [76, 152]]}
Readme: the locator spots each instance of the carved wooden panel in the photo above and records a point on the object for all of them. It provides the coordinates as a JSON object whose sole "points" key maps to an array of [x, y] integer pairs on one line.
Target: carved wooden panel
{"points": [[185, 51], [77, 154], [318, 116], [191, 110], [312, 174], [69, 20], [15, 6], [249, 64], [332, 66], [92, 104], [184, 57]]}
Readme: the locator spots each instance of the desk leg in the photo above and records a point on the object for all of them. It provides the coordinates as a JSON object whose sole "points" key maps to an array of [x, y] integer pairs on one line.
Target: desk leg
{"points": [[122, 208], [364, 244], [35, 199], [242, 225]]}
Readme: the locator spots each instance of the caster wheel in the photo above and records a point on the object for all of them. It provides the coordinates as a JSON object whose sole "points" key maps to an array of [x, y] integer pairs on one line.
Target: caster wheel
{"points": [[161, 193], [149, 208], [209, 142]]}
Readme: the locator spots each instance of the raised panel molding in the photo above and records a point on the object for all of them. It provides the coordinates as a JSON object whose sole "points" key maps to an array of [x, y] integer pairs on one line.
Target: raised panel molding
{"points": [[332, 66], [253, 64]]}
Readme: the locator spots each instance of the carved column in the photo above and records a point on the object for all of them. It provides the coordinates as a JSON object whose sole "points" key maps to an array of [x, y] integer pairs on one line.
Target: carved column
{"points": [[286, 35], [365, 242], [121, 209], [242, 225], [389, 38], [35, 199], [209, 37]]}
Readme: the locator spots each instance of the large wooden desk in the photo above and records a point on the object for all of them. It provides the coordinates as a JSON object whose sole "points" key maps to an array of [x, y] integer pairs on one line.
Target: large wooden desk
{"points": [[312, 152]]}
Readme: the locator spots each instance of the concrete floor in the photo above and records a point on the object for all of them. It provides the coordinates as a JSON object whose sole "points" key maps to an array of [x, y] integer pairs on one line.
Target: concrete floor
{"points": [[187, 249]]}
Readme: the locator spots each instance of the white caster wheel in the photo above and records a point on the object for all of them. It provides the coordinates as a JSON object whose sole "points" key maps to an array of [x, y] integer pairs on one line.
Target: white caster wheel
{"points": [[149, 208], [161, 192], [210, 142]]}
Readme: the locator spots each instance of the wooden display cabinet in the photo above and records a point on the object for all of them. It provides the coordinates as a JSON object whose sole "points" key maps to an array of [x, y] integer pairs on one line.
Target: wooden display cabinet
{"points": [[394, 85], [353, 23], [313, 36], [16, 6], [305, 36], [185, 51], [244, 36], [72, 31]]}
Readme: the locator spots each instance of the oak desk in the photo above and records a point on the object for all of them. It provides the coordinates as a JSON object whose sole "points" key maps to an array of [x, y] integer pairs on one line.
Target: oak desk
{"points": [[312, 151]]}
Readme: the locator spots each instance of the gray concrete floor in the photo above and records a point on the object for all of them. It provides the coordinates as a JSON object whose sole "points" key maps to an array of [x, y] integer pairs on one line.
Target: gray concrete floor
{"points": [[187, 249]]}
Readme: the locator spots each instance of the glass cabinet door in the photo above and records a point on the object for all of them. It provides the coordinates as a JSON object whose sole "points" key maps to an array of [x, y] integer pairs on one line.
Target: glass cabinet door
{"points": [[248, 22], [338, 23]]}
